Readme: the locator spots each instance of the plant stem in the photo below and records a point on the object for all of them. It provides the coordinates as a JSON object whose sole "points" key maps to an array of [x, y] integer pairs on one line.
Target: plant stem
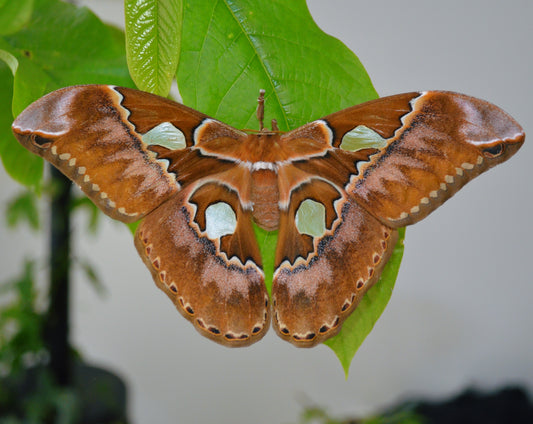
{"points": [[56, 331]]}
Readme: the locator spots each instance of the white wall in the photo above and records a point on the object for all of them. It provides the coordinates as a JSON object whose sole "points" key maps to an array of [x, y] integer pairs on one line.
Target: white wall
{"points": [[461, 312]]}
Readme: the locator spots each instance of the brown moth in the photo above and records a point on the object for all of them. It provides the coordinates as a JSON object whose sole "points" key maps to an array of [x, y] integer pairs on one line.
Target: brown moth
{"points": [[198, 184]]}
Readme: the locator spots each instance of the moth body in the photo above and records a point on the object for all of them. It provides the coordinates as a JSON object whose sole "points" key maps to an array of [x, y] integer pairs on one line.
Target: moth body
{"points": [[265, 198]]}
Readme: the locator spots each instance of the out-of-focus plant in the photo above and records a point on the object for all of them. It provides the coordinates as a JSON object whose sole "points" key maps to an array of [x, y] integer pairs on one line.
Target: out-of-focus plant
{"points": [[45, 45]]}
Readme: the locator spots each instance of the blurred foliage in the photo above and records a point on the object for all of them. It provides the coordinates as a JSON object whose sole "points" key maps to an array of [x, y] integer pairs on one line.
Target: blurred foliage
{"points": [[23, 209], [401, 415], [21, 321], [44, 45], [84, 203], [25, 399], [58, 45], [508, 404]]}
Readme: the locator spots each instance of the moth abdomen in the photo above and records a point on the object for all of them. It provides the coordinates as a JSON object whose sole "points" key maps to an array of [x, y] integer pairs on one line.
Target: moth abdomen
{"points": [[265, 199]]}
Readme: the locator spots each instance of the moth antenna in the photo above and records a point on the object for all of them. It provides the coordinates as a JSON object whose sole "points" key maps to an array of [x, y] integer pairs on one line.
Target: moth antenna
{"points": [[275, 125], [261, 109]]}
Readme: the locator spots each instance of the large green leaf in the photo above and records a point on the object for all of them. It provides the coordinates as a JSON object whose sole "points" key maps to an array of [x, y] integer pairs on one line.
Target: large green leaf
{"points": [[30, 80], [153, 32], [14, 15], [60, 45], [233, 48], [23, 166]]}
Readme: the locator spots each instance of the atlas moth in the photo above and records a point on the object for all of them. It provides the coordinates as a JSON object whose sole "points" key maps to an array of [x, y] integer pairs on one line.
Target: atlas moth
{"points": [[197, 185]]}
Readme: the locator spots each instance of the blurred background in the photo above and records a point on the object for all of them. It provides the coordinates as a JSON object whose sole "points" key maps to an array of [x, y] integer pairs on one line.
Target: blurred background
{"points": [[461, 313]]}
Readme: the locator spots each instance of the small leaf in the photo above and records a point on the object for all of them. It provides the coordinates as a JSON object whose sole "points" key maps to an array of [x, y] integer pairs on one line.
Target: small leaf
{"points": [[68, 406], [233, 48], [30, 83], [14, 15], [92, 276], [362, 320], [20, 321], [60, 45], [132, 226], [18, 162], [153, 42], [9, 60], [23, 208], [83, 202]]}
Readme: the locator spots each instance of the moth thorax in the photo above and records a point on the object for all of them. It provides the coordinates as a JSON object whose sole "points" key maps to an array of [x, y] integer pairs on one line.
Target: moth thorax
{"points": [[265, 197]]}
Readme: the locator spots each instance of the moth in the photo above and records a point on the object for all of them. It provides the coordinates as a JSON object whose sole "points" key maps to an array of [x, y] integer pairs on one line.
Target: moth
{"points": [[337, 189]]}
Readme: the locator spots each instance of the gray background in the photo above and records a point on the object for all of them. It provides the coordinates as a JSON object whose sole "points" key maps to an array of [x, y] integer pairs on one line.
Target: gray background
{"points": [[461, 312]]}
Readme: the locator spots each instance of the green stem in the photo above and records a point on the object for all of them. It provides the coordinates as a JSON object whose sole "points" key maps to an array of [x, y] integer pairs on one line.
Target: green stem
{"points": [[57, 323]]}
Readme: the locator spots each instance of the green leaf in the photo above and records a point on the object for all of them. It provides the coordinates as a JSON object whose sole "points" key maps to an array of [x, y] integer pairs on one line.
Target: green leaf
{"points": [[92, 276], [9, 60], [14, 15], [68, 406], [317, 415], [362, 320], [83, 202], [132, 226], [71, 45], [30, 83], [153, 42], [61, 45], [233, 48], [19, 163], [20, 320], [23, 208]]}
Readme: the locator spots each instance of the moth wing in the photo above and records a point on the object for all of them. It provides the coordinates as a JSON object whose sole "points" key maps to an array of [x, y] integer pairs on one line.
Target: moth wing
{"points": [[330, 250], [372, 168], [324, 268], [139, 155], [432, 144], [102, 138], [201, 250]]}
